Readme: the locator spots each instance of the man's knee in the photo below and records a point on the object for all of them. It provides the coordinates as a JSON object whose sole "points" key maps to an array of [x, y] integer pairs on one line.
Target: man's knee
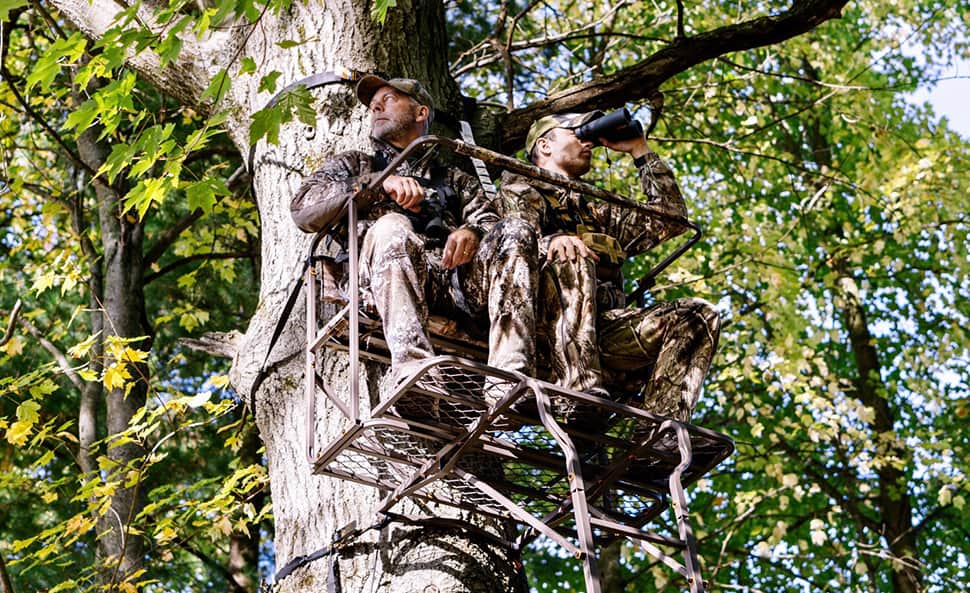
{"points": [[515, 236], [390, 235], [700, 310]]}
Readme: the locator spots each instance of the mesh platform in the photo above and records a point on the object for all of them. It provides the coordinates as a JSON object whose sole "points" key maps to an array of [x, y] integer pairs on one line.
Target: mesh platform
{"points": [[563, 463]]}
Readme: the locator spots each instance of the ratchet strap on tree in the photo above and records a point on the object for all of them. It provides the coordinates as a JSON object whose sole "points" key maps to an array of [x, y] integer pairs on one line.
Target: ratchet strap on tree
{"points": [[480, 169]]}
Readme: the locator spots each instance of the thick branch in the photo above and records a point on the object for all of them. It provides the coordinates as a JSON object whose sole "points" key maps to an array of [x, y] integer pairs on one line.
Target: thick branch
{"points": [[641, 80]]}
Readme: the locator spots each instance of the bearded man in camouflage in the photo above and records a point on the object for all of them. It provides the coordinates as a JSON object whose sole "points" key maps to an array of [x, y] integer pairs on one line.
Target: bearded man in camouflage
{"points": [[425, 221], [594, 340]]}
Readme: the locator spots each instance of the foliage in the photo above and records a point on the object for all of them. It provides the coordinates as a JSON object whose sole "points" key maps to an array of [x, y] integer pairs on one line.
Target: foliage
{"points": [[826, 199], [815, 182], [199, 477]]}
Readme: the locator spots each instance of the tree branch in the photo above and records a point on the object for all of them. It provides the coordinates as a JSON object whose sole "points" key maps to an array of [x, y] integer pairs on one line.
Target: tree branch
{"points": [[644, 78], [54, 351], [197, 257], [186, 77], [13, 320]]}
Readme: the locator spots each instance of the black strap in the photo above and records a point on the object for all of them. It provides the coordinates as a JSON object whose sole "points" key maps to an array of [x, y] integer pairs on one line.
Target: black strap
{"points": [[341, 539], [278, 330]]}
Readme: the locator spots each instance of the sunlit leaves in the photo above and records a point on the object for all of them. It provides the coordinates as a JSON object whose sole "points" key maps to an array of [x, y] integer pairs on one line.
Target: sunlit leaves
{"points": [[379, 9], [7, 5], [62, 51]]}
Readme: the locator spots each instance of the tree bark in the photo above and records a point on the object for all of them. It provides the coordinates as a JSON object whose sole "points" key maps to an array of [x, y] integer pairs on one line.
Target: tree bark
{"points": [[308, 509], [122, 314]]}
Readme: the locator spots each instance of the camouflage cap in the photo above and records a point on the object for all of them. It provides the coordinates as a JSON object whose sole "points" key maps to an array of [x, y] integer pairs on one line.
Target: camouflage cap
{"points": [[369, 85], [560, 120]]}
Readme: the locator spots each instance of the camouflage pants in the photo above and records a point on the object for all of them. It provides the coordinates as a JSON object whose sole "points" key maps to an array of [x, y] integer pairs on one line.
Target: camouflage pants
{"points": [[403, 280], [589, 347]]}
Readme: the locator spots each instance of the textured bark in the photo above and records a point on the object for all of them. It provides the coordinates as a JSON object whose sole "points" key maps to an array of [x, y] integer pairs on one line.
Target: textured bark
{"points": [[122, 312], [309, 509]]}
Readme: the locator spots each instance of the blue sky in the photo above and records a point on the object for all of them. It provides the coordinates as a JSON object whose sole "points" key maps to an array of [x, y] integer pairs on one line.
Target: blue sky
{"points": [[951, 97]]}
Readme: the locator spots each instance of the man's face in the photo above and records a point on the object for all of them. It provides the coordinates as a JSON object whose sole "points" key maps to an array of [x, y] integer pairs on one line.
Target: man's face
{"points": [[392, 117], [568, 153]]}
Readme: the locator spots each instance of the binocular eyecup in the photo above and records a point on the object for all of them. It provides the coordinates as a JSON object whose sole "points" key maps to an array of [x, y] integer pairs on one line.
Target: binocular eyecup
{"points": [[616, 126]]}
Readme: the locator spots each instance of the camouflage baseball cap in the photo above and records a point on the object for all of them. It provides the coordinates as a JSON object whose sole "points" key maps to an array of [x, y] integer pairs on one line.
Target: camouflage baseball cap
{"points": [[369, 85], [560, 120]]}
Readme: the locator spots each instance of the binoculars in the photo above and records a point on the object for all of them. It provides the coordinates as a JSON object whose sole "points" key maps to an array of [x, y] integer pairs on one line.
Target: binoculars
{"points": [[615, 126]]}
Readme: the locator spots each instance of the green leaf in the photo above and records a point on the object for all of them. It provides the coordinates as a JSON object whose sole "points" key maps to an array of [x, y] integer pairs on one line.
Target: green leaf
{"points": [[202, 194], [81, 118], [378, 11], [248, 66], [218, 87], [7, 5], [45, 387], [299, 101], [266, 123], [268, 82], [48, 65], [147, 193], [28, 411]]}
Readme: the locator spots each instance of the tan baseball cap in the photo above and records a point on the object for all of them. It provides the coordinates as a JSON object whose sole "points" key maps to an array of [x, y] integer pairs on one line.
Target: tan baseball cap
{"points": [[559, 120], [370, 84]]}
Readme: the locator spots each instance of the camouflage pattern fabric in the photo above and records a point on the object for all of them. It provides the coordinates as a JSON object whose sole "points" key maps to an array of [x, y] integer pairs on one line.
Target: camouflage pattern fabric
{"points": [[403, 281], [401, 275], [320, 200], [593, 342]]}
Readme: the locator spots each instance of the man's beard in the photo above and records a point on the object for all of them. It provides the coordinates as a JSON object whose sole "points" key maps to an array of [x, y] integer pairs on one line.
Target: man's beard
{"points": [[392, 131]]}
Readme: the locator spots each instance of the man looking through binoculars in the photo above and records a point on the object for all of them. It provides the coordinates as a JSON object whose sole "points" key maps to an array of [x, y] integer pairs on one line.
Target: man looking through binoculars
{"points": [[592, 339]]}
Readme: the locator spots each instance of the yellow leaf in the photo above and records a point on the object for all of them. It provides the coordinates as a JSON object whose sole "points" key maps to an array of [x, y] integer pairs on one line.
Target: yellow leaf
{"points": [[79, 350], [115, 375], [17, 433], [134, 355], [79, 524], [49, 497], [224, 525], [88, 374], [219, 380], [13, 347]]}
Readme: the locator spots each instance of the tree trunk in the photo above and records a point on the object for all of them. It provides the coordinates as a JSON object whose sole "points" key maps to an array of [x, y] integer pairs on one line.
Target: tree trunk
{"points": [[308, 509], [120, 551], [897, 513]]}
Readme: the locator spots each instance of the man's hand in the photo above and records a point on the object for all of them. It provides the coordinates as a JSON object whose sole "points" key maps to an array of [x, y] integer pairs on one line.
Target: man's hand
{"points": [[406, 191], [568, 248], [460, 248], [635, 147]]}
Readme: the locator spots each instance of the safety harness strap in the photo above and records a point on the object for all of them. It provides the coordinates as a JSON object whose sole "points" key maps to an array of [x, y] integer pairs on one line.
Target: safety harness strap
{"points": [[480, 169]]}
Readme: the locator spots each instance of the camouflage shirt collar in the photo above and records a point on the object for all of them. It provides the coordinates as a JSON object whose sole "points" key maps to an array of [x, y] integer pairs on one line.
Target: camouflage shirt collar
{"points": [[419, 161]]}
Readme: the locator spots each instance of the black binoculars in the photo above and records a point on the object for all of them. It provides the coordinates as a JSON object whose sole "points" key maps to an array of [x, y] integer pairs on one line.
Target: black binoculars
{"points": [[615, 126]]}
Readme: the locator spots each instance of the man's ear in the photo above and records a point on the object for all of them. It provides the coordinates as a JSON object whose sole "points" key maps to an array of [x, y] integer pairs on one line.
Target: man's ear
{"points": [[543, 148], [422, 113]]}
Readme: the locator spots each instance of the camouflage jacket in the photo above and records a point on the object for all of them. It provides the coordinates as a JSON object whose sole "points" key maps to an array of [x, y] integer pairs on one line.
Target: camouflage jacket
{"points": [[555, 211], [321, 198]]}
